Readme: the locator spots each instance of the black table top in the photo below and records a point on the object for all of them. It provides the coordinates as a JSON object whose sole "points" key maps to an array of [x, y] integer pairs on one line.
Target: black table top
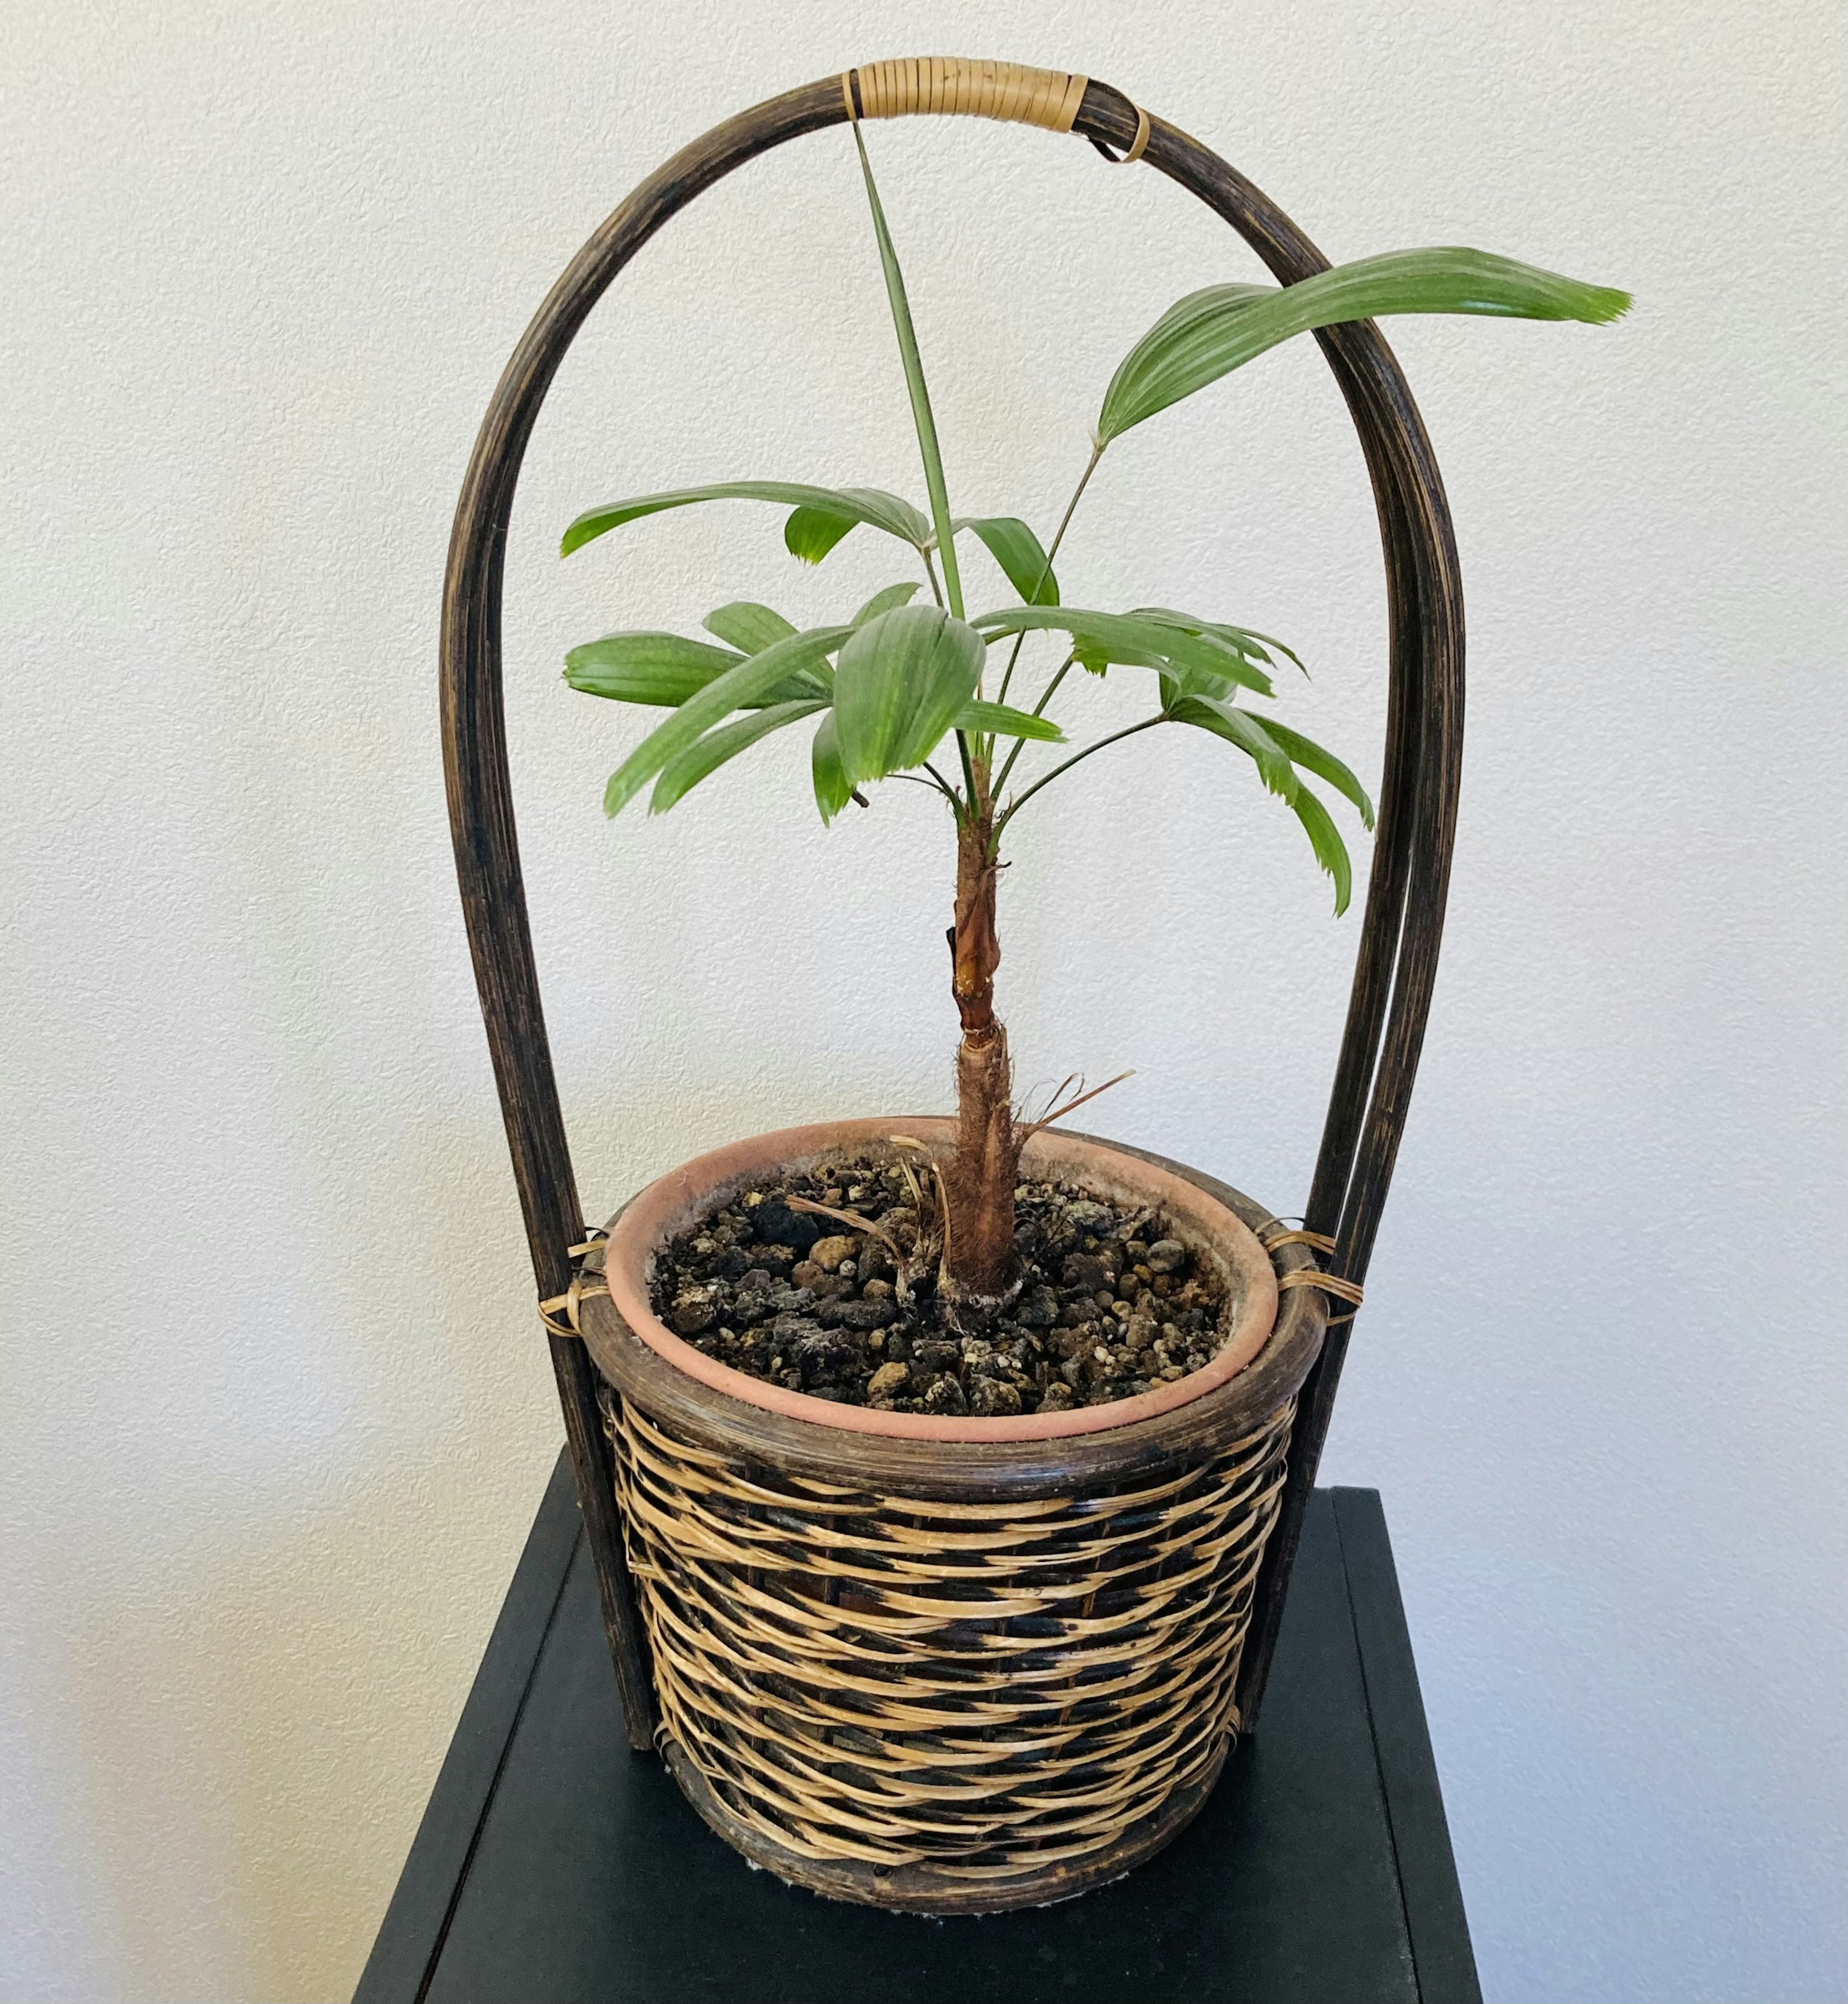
{"points": [[553, 1864]]}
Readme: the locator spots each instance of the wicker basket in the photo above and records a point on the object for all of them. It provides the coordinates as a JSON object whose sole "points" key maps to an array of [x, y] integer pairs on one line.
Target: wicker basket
{"points": [[947, 1676], [816, 1803]]}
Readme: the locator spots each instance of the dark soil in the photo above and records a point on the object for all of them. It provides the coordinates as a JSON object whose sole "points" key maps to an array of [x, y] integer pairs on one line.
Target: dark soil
{"points": [[1109, 1306]]}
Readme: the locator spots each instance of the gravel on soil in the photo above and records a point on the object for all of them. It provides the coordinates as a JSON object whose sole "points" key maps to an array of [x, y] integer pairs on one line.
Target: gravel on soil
{"points": [[1108, 1306]]}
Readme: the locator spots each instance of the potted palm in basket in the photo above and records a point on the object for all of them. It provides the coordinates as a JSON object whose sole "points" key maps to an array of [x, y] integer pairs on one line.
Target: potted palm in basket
{"points": [[947, 1451]]}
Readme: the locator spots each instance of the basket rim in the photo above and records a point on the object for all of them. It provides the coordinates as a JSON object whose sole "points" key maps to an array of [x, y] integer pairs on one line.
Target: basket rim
{"points": [[1132, 1436], [671, 1202]]}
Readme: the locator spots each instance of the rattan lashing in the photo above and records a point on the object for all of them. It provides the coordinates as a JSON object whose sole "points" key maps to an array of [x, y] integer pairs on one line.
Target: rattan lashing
{"points": [[987, 1689], [966, 87]]}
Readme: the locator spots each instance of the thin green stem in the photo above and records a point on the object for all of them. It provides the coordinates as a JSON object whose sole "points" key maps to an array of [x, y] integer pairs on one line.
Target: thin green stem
{"points": [[1020, 744], [968, 767], [936, 783], [921, 418], [1084, 481], [955, 799], [1078, 758], [930, 573], [1051, 689]]}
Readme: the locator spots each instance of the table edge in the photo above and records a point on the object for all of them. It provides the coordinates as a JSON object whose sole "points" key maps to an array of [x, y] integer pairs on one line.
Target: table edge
{"points": [[1443, 1961], [411, 1937]]}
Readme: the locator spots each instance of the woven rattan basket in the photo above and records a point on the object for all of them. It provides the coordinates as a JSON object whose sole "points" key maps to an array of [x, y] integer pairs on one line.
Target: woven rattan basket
{"points": [[959, 1677], [948, 1676]]}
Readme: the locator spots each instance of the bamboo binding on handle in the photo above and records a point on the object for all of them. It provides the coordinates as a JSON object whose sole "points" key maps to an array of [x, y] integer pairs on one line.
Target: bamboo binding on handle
{"points": [[1011, 92]]}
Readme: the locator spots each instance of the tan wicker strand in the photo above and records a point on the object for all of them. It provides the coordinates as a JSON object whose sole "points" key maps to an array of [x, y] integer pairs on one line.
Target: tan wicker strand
{"points": [[959, 85], [986, 1690], [1139, 145], [1330, 1284], [1321, 1241]]}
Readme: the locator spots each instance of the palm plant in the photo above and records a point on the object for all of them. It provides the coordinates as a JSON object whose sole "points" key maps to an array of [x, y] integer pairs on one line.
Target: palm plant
{"points": [[893, 687]]}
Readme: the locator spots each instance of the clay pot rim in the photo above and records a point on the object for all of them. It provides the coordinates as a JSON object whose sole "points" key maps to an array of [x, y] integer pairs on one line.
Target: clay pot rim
{"points": [[709, 1181]]}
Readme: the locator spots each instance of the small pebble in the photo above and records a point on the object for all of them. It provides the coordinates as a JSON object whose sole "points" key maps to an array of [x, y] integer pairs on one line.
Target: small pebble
{"points": [[866, 1316], [989, 1399], [1038, 1308], [695, 1309], [777, 1225], [828, 1253], [1088, 1271], [945, 1395]]}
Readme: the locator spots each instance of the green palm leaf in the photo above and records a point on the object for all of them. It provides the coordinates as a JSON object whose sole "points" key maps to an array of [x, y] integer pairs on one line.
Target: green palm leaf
{"points": [[832, 787], [1325, 839], [1015, 547], [811, 533], [746, 686], [1211, 333], [749, 628], [850, 505], [1104, 637], [666, 669], [645, 667], [922, 421], [997, 721], [901, 682], [707, 753], [884, 601], [1252, 646], [1314, 758], [1252, 737]]}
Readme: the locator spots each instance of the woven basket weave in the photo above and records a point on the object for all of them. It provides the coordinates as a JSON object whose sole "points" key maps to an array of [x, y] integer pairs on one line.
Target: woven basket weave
{"points": [[966, 1679]]}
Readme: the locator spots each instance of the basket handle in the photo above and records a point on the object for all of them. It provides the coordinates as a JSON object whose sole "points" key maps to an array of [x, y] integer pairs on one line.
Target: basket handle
{"points": [[1397, 964]]}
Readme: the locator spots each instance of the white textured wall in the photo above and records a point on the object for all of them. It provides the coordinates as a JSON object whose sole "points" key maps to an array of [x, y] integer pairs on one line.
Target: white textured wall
{"points": [[277, 1412]]}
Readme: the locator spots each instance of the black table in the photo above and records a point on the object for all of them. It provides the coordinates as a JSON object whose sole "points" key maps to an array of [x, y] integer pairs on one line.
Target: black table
{"points": [[554, 1864]]}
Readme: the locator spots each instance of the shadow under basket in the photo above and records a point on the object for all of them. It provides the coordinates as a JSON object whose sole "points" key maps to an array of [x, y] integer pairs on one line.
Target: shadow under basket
{"points": [[948, 1677]]}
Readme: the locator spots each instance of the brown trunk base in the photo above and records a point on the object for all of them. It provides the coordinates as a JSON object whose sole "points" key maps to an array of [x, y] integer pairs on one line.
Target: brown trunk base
{"points": [[977, 1279]]}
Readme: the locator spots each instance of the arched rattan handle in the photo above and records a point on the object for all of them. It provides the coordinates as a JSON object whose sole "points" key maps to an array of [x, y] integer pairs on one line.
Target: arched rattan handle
{"points": [[1398, 960]]}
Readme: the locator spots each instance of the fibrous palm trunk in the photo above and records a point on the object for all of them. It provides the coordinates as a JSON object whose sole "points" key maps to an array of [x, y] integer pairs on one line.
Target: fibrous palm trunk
{"points": [[978, 1254]]}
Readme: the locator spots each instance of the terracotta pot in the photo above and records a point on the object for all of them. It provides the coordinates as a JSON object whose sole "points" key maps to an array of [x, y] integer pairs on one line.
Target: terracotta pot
{"points": [[1218, 1237], [949, 1664]]}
